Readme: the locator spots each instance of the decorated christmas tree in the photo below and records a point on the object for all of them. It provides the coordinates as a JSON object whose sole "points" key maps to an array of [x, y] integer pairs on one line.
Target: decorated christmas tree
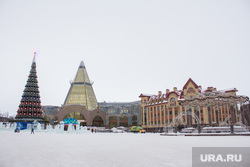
{"points": [[30, 108]]}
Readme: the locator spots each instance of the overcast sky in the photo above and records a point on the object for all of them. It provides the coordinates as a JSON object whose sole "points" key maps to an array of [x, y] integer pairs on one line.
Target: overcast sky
{"points": [[129, 47]]}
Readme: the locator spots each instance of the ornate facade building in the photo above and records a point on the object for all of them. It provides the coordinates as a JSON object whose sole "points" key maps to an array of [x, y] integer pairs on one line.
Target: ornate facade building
{"points": [[191, 106]]}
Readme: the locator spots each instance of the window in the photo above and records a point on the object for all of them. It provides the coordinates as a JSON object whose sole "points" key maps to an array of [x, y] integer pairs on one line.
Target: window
{"points": [[172, 101], [176, 112], [191, 90], [170, 112]]}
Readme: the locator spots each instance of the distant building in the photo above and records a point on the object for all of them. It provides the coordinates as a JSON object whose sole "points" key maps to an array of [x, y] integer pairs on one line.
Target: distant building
{"points": [[4, 119], [121, 114], [82, 105], [191, 106], [81, 102]]}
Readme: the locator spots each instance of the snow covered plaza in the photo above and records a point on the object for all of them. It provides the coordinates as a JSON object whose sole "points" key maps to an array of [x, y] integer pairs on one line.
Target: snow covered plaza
{"points": [[105, 149]]}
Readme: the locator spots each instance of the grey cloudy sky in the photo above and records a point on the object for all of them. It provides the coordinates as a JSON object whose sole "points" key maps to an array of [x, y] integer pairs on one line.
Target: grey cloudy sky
{"points": [[129, 47]]}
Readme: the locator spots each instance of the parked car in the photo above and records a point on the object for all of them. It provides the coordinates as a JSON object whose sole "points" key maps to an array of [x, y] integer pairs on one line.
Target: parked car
{"points": [[137, 129]]}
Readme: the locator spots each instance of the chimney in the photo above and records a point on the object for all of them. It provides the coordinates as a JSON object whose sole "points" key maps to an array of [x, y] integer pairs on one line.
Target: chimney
{"points": [[159, 93], [167, 91], [175, 89]]}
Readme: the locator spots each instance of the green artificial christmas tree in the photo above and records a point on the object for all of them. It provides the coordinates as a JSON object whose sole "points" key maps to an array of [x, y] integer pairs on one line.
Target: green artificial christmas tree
{"points": [[30, 108]]}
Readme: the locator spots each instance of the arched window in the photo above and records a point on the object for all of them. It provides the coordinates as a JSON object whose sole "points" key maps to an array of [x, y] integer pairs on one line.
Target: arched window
{"points": [[172, 99]]}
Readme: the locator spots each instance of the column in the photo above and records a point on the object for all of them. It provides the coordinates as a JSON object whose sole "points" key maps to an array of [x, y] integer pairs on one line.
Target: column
{"points": [[209, 115], [221, 114], [157, 109], [164, 114], [180, 112], [236, 113], [187, 114], [147, 116], [173, 116], [189, 117], [186, 117], [217, 115], [143, 115], [161, 115], [233, 117], [242, 116], [228, 115], [168, 115], [153, 111], [107, 120], [150, 115], [118, 121]]}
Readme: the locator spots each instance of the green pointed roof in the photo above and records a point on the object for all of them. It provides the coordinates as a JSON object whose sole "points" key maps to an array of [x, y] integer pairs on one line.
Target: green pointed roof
{"points": [[81, 91]]}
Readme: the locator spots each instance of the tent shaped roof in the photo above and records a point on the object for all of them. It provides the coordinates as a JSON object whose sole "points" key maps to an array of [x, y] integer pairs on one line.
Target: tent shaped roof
{"points": [[81, 91]]}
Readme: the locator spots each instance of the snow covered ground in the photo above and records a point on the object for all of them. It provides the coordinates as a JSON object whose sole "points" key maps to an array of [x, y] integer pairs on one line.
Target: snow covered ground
{"points": [[105, 149]]}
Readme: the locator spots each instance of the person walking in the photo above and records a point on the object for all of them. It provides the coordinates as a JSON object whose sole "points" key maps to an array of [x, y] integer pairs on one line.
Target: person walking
{"points": [[32, 130]]}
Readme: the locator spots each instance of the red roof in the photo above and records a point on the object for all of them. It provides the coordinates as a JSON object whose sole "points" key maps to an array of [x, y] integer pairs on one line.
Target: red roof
{"points": [[190, 80], [142, 95], [167, 95]]}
